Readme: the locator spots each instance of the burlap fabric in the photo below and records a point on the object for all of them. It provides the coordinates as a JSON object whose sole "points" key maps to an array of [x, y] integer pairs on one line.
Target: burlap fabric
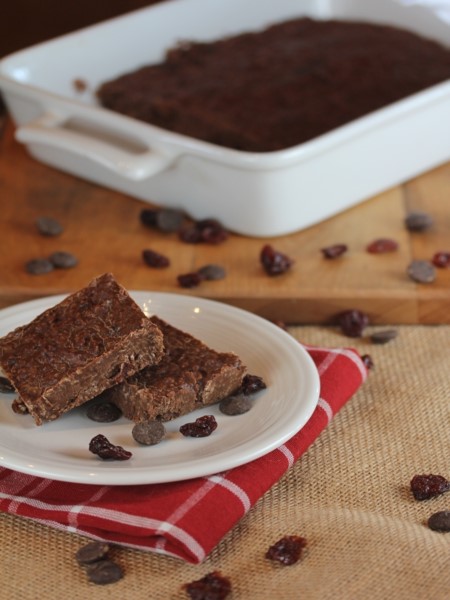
{"points": [[348, 495]]}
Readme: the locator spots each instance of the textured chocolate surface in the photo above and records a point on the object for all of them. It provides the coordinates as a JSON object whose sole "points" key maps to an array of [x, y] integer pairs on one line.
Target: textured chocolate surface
{"points": [[189, 375], [73, 351], [277, 88]]}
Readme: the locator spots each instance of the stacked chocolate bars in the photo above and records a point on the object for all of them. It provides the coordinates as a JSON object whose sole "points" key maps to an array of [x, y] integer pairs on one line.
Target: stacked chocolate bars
{"points": [[99, 339]]}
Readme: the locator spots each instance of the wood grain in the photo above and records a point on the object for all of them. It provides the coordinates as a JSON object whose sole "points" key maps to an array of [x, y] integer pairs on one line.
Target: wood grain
{"points": [[103, 229]]}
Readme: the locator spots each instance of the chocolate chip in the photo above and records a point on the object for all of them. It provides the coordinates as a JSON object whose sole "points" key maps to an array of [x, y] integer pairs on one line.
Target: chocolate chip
{"points": [[39, 266], [440, 521], [103, 412], [169, 220], [91, 552], [49, 226], [212, 272], [421, 271], [418, 221], [235, 405], [104, 571], [384, 336], [148, 433], [63, 260]]}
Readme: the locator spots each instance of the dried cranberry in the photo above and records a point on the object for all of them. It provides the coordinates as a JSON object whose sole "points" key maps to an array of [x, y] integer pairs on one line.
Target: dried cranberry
{"points": [[213, 586], [287, 550], [209, 231], [334, 251], [367, 360], [424, 487], [441, 260], [101, 446], [190, 235], [382, 245], [274, 262], [212, 232], [189, 280], [155, 259], [353, 322], [202, 427], [252, 384]]}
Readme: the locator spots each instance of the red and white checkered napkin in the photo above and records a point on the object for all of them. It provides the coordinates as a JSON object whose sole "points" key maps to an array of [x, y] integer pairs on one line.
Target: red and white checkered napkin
{"points": [[187, 518]]}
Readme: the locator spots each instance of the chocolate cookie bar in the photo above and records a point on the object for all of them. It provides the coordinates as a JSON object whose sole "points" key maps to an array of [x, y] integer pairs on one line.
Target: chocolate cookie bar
{"points": [[272, 89], [75, 350], [189, 375]]}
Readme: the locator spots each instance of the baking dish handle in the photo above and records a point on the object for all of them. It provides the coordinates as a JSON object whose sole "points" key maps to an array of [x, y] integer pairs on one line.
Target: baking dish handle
{"points": [[49, 130]]}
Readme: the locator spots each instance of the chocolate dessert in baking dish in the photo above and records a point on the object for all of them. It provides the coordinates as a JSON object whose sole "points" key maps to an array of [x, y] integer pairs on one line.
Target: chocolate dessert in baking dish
{"points": [[190, 375], [73, 351], [276, 88]]}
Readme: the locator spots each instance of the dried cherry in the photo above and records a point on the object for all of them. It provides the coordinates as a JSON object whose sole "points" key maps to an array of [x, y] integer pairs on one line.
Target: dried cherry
{"points": [[155, 259], [441, 260], [189, 280], [252, 384], [213, 586], [352, 322], [287, 550], [382, 245], [424, 487], [274, 262], [201, 427], [103, 448], [334, 251]]}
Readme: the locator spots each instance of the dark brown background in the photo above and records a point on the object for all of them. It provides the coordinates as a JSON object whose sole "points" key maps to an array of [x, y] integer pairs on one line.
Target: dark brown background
{"points": [[26, 22]]}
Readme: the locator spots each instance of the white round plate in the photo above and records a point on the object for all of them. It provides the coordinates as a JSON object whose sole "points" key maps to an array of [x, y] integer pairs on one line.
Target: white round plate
{"points": [[59, 449]]}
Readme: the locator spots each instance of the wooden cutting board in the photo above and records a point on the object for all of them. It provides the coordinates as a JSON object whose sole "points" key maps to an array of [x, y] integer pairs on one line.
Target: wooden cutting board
{"points": [[102, 228]]}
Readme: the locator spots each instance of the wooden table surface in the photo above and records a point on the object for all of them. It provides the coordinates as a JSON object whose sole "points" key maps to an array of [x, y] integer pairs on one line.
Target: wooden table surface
{"points": [[102, 228]]}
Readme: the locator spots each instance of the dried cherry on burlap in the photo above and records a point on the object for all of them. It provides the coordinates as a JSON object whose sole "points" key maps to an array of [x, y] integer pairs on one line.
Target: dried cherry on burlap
{"points": [[424, 487], [213, 586], [287, 550], [352, 322]]}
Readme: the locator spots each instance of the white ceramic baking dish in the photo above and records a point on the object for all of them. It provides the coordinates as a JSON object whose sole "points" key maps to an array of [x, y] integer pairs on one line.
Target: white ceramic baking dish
{"points": [[255, 194]]}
